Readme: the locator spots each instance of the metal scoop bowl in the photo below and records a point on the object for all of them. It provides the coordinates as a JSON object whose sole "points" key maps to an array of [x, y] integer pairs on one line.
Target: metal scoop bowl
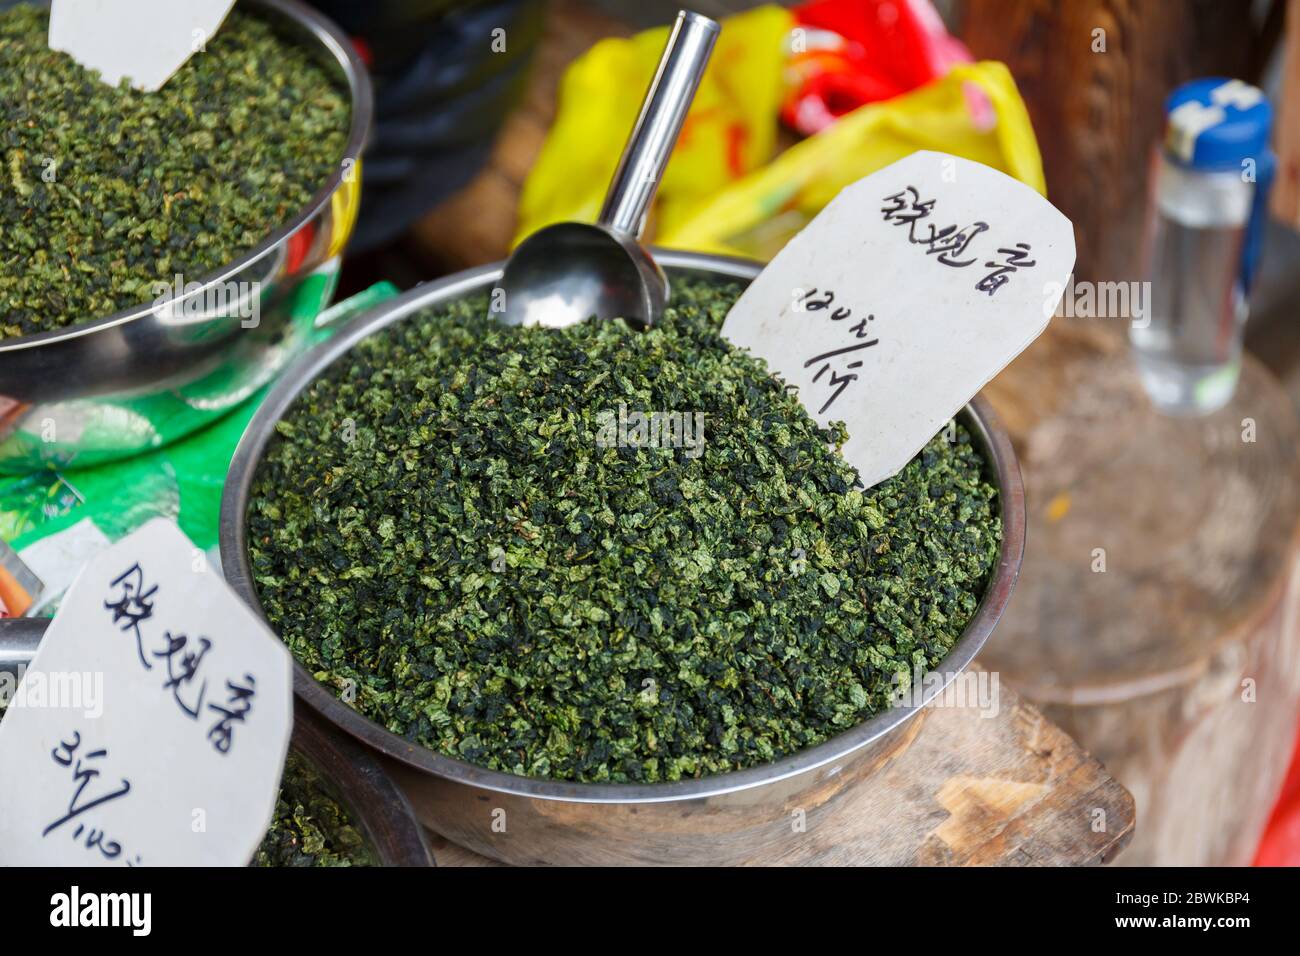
{"points": [[571, 271]]}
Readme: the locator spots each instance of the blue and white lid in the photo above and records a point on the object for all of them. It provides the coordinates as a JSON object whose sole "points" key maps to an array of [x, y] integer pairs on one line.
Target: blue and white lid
{"points": [[1217, 123]]}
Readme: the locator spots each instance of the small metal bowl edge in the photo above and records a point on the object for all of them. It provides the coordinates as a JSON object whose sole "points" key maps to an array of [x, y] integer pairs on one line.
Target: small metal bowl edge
{"points": [[357, 78]]}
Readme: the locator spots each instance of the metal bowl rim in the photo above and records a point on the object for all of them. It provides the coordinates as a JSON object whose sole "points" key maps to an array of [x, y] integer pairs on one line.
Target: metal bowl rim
{"points": [[352, 776], [333, 41], [235, 565]]}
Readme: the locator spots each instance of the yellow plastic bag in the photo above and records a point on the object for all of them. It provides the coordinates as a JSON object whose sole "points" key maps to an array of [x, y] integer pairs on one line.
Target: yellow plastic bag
{"points": [[757, 215], [731, 128], [722, 191]]}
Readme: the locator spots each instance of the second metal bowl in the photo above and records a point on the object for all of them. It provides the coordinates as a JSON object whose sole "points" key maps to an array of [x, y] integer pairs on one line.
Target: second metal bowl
{"points": [[351, 774], [114, 386]]}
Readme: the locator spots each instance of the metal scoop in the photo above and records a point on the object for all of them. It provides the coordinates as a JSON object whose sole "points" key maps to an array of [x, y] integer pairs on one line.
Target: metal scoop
{"points": [[571, 271]]}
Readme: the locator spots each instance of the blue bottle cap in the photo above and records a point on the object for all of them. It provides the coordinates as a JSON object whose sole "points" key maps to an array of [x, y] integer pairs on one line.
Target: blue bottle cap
{"points": [[1217, 123]]}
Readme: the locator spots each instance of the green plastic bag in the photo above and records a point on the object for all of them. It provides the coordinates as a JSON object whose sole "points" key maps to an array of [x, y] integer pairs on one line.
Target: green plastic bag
{"points": [[44, 515]]}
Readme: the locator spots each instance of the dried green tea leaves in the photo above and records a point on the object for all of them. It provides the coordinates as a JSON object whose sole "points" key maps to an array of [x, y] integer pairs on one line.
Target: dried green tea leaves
{"points": [[309, 827], [443, 532], [106, 191]]}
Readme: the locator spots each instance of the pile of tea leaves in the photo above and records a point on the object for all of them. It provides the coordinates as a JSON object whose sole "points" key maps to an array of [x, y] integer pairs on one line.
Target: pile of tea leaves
{"points": [[439, 534], [105, 191], [309, 827]]}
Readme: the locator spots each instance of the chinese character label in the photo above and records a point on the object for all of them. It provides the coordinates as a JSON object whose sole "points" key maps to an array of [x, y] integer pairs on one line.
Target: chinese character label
{"points": [[197, 708], [903, 297]]}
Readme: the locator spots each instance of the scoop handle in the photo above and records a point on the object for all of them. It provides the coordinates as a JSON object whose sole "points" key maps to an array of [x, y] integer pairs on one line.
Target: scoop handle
{"points": [[19, 638], [666, 104]]}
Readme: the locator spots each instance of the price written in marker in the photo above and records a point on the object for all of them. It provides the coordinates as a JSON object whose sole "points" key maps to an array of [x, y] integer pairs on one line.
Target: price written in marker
{"points": [[903, 298], [144, 41], [175, 757]]}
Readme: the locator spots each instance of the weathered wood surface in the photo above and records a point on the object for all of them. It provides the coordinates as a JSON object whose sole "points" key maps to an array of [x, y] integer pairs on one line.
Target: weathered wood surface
{"points": [[1176, 665], [975, 788]]}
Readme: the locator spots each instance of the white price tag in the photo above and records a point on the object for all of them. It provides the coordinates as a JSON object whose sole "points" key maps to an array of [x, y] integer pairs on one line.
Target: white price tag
{"points": [[907, 293], [144, 40], [152, 726]]}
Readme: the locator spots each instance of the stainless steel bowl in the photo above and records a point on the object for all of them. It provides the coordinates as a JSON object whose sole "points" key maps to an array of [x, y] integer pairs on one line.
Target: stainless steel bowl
{"points": [[353, 777], [120, 384], [725, 818]]}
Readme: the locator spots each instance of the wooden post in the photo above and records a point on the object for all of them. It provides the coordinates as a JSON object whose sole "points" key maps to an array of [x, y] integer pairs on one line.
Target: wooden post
{"points": [[1286, 191], [977, 786], [1095, 74]]}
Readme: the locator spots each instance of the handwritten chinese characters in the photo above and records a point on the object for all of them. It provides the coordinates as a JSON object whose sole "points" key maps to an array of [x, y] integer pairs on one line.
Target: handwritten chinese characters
{"points": [[132, 602], [88, 795], [1016, 258], [948, 262], [950, 244], [842, 361], [238, 703]]}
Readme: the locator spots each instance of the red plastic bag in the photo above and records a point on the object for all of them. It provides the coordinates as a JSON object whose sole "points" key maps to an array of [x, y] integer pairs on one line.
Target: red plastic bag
{"points": [[853, 52], [1280, 845]]}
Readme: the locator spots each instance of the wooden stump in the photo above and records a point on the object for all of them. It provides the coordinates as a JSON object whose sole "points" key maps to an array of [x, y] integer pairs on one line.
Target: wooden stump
{"points": [[976, 787], [1156, 615]]}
